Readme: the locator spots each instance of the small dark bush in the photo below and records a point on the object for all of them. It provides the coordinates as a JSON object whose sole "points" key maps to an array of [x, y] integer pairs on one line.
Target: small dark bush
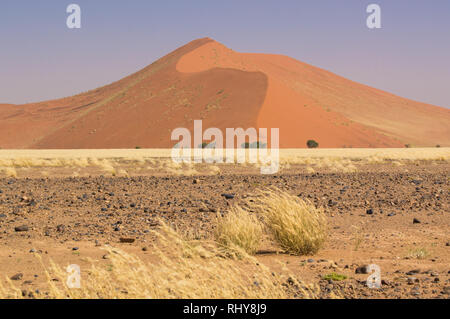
{"points": [[254, 145], [207, 145], [312, 144]]}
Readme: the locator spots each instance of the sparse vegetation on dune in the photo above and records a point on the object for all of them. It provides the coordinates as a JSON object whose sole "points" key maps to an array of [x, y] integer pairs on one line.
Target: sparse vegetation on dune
{"points": [[312, 144]]}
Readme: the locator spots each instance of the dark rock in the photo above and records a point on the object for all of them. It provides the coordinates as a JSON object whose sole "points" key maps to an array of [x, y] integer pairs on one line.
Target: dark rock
{"points": [[369, 211], [60, 228], [416, 221], [228, 196], [127, 240], [18, 276], [413, 272], [385, 282], [21, 228], [362, 270]]}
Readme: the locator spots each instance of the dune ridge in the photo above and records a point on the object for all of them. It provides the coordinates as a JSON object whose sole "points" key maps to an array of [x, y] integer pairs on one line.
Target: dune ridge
{"points": [[206, 80]]}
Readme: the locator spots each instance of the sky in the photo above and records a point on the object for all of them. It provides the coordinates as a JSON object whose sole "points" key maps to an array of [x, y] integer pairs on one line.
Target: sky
{"points": [[41, 58]]}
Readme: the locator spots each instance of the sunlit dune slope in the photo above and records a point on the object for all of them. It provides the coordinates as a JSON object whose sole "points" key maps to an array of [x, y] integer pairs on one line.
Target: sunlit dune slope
{"points": [[208, 81]]}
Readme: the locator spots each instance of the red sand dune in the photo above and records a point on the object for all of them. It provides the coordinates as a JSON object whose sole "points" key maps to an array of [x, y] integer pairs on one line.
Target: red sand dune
{"points": [[205, 80]]}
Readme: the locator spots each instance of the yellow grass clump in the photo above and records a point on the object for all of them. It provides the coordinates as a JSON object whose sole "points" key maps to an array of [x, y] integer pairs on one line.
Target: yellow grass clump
{"points": [[310, 170], [239, 229], [181, 269], [298, 226], [9, 171]]}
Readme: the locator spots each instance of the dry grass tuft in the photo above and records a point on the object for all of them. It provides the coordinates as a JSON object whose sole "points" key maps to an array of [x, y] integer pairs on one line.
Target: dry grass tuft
{"points": [[180, 269], [310, 170], [298, 226], [9, 171], [418, 253], [239, 229], [357, 237]]}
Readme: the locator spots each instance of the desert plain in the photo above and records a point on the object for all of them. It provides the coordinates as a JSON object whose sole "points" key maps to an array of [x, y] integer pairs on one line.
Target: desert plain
{"points": [[104, 210]]}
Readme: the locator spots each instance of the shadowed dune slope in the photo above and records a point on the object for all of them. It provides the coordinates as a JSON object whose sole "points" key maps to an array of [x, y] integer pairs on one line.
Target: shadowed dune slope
{"points": [[206, 80]]}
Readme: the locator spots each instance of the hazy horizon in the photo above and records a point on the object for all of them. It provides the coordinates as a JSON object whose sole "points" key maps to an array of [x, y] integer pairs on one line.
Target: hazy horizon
{"points": [[41, 59]]}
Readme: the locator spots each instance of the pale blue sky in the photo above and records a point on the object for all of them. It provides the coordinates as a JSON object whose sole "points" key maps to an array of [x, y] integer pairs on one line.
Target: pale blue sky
{"points": [[40, 58]]}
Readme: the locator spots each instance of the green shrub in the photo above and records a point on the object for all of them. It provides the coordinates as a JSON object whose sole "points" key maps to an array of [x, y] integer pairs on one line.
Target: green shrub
{"points": [[312, 144], [335, 277]]}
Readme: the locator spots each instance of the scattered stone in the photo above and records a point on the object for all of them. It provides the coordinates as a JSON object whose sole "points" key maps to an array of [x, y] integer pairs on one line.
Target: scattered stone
{"points": [[369, 211], [362, 270], [416, 221], [75, 248], [127, 240], [60, 228], [21, 228], [18, 276], [434, 274], [228, 196], [385, 282]]}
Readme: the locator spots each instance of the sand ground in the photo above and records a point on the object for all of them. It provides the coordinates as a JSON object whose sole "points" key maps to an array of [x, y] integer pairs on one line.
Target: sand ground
{"points": [[392, 214]]}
